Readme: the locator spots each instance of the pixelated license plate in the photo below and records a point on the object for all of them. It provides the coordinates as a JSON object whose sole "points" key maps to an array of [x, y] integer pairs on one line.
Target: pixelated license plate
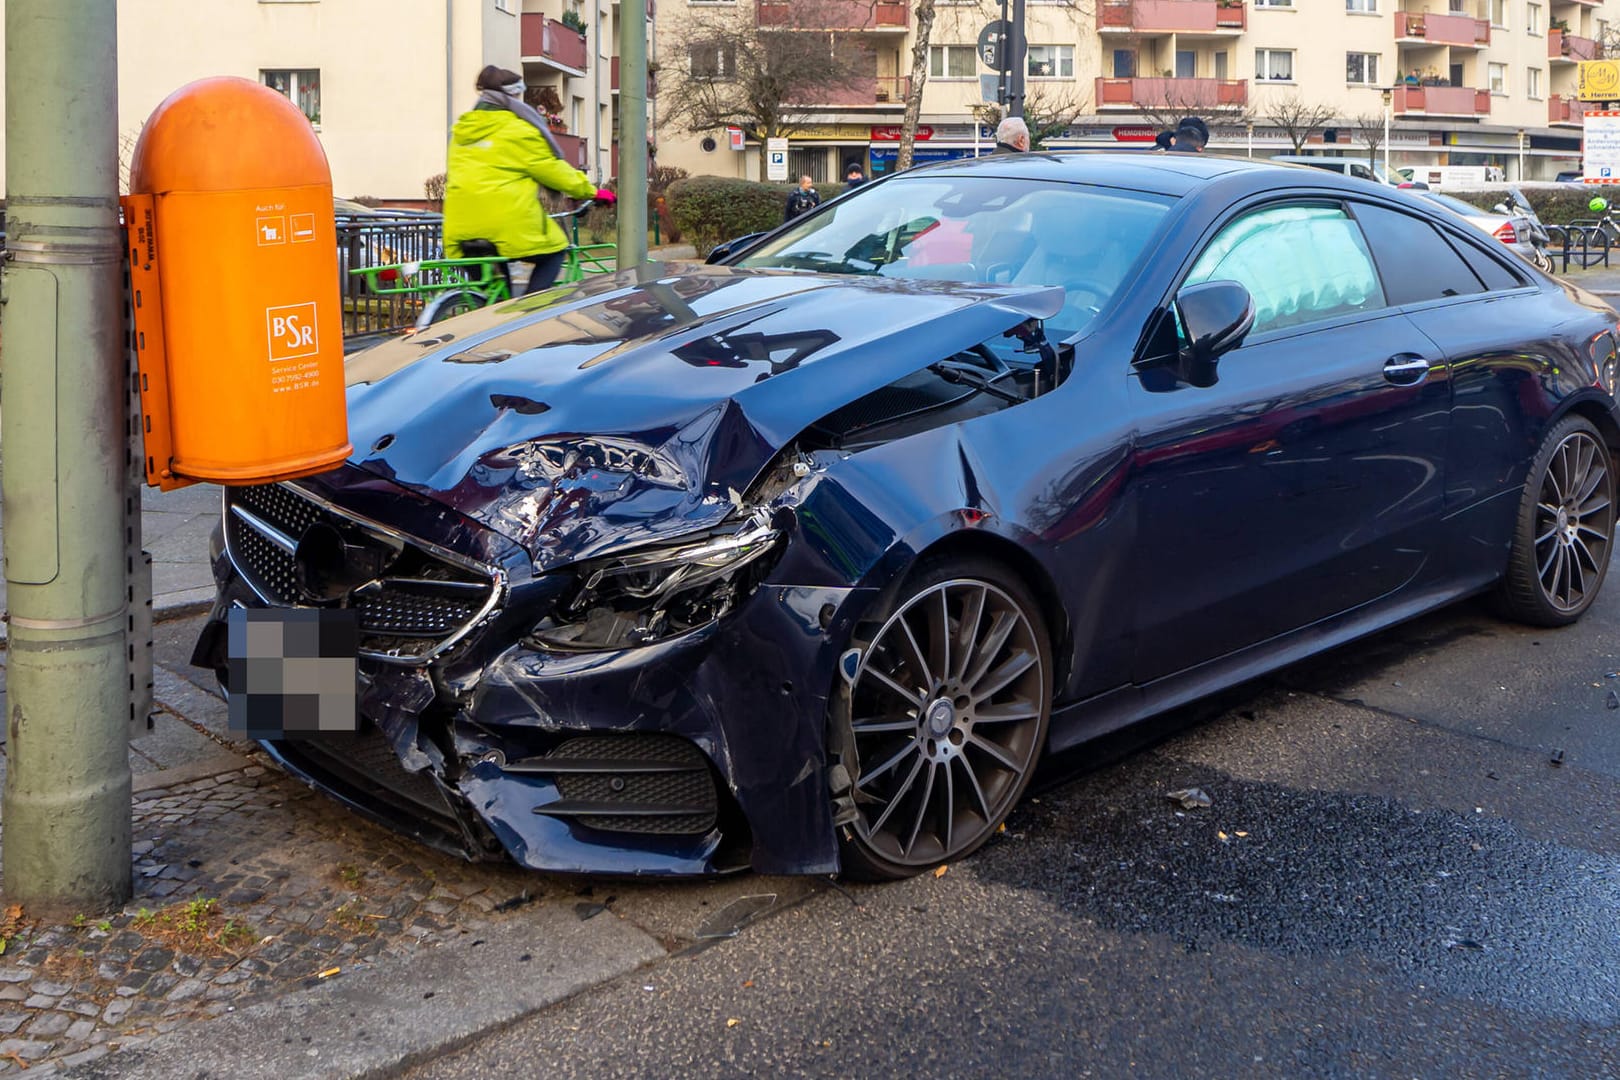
{"points": [[291, 671]]}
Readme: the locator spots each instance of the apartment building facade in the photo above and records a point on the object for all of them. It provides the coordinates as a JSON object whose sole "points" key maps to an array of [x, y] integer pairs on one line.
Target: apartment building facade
{"points": [[1463, 82], [382, 81]]}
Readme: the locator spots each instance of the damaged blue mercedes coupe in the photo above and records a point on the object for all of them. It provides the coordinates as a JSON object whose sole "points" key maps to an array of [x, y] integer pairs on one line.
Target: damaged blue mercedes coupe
{"points": [[803, 559]]}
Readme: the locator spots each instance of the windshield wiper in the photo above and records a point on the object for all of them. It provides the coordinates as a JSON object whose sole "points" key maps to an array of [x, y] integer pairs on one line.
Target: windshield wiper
{"points": [[957, 375]]}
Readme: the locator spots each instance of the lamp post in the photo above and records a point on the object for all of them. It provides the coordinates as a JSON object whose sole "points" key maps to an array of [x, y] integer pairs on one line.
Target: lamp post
{"points": [[1389, 100], [1521, 155]]}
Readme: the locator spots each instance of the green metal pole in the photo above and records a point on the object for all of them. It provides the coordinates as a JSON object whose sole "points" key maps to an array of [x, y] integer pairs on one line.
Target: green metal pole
{"points": [[632, 133], [66, 804]]}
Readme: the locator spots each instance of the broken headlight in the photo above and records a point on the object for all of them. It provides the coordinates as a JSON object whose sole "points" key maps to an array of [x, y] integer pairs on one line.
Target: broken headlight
{"points": [[652, 594]]}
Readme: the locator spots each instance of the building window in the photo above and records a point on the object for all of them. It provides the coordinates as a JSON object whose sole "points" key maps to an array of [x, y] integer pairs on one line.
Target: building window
{"points": [[1498, 77], [1499, 14], [1361, 68], [1051, 62], [1274, 3], [1366, 7], [506, 6], [302, 86], [1532, 82], [1532, 18], [1275, 65], [1124, 63], [712, 61], [952, 62]]}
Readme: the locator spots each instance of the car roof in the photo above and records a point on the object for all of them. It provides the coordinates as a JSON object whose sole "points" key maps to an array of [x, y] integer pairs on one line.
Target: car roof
{"points": [[1336, 159], [1143, 170]]}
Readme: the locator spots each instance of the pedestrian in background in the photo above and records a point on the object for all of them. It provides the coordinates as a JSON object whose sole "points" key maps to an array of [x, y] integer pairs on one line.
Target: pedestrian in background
{"points": [[803, 200], [1191, 136], [501, 155], [854, 177], [1012, 136]]}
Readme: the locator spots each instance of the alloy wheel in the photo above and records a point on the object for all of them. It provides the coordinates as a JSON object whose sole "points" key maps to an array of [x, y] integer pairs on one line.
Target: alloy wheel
{"points": [[1574, 522], [948, 713]]}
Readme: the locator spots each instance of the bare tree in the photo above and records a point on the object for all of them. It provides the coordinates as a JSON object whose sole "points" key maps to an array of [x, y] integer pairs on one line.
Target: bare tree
{"points": [[1298, 119], [926, 22], [1369, 133], [919, 79], [1048, 113], [728, 70]]}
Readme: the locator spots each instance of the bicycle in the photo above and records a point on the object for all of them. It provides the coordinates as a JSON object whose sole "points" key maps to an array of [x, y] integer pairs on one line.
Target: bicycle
{"points": [[451, 287], [1587, 240]]}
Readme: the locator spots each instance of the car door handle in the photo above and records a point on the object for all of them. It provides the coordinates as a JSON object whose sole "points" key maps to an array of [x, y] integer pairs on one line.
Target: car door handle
{"points": [[1406, 369]]}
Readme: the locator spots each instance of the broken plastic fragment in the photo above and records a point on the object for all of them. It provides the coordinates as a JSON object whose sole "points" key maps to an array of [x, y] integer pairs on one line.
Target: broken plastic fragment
{"points": [[940, 871], [729, 920], [1190, 798]]}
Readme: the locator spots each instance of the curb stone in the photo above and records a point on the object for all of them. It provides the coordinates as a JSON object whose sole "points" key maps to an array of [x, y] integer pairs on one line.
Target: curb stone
{"points": [[382, 1020]]}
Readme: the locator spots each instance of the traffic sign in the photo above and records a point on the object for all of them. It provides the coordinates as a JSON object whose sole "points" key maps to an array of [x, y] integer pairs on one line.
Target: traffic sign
{"points": [[776, 153], [993, 44]]}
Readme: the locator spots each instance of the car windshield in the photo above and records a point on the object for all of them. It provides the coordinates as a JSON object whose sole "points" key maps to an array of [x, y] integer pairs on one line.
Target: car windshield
{"points": [[980, 229]]}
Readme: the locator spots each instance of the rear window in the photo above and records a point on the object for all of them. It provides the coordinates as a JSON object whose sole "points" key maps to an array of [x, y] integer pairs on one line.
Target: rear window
{"points": [[1415, 261], [980, 229]]}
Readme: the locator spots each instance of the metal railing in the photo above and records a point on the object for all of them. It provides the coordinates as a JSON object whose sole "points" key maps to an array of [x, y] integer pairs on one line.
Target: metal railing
{"points": [[372, 240], [1585, 242]]}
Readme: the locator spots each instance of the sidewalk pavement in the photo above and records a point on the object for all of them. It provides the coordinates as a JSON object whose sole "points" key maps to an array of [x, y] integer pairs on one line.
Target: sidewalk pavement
{"points": [[275, 933]]}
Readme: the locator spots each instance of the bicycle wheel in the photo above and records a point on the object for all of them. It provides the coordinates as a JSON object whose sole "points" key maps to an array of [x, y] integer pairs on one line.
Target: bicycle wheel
{"points": [[448, 305]]}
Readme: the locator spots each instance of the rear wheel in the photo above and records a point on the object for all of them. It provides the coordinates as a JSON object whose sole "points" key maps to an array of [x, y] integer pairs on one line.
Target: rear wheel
{"points": [[1560, 552], [948, 711]]}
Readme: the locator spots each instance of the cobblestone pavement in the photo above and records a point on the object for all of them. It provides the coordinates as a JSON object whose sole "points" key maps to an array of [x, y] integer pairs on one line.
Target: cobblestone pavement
{"points": [[300, 886]]}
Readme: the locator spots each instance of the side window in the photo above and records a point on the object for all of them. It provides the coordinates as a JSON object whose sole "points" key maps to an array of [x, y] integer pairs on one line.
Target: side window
{"points": [[1300, 263], [1417, 262], [1361, 172], [1495, 276]]}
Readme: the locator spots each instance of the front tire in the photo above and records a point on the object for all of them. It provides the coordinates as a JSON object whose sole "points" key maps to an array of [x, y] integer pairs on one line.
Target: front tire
{"points": [[1560, 552], [447, 305], [947, 713]]}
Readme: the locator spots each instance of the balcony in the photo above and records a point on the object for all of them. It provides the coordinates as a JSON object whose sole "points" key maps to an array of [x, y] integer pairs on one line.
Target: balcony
{"points": [[1458, 31], [887, 92], [547, 41], [1441, 101], [575, 150], [1185, 94], [835, 14], [1568, 48], [1173, 16], [1565, 111], [613, 75]]}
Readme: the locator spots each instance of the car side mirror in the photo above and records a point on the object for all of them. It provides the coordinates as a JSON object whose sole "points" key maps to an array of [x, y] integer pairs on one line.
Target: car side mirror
{"points": [[1501, 208], [1216, 316], [735, 244]]}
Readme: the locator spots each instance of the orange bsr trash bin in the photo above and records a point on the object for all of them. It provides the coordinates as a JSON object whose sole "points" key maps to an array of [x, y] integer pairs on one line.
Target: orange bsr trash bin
{"points": [[234, 278]]}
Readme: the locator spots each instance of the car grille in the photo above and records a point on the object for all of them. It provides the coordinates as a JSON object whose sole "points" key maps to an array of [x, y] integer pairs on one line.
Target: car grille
{"points": [[658, 784], [420, 603]]}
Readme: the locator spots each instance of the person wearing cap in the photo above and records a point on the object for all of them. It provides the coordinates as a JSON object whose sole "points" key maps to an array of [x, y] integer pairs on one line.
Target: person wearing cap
{"points": [[1012, 136], [501, 154], [1164, 140], [854, 177], [1191, 136]]}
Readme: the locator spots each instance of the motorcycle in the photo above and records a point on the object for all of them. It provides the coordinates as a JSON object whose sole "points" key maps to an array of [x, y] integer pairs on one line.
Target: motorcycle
{"points": [[1517, 204]]}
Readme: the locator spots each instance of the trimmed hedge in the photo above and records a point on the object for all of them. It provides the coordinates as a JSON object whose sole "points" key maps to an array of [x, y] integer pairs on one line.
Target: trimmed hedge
{"points": [[710, 210], [1556, 204]]}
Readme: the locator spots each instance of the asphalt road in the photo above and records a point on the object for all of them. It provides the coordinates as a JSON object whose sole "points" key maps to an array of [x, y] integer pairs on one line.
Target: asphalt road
{"points": [[1393, 879]]}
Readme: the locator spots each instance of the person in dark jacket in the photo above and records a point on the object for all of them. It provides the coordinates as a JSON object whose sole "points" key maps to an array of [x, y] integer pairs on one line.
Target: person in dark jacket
{"points": [[1012, 136], [1192, 135], [1164, 140], [501, 154], [854, 177], [803, 200]]}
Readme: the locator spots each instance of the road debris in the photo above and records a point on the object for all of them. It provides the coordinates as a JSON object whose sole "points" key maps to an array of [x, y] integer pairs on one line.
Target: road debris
{"points": [[1557, 759], [1190, 798], [940, 871], [729, 921]]}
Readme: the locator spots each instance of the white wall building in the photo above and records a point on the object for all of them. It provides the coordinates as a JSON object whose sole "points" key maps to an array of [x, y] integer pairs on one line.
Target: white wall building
{"points": [[381, 80], [1465, 77]]}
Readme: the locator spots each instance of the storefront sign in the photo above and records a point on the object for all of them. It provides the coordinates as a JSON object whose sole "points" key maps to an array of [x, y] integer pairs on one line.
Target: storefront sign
{"points": [[1601, 147], [1599, 80], [892, 134]]}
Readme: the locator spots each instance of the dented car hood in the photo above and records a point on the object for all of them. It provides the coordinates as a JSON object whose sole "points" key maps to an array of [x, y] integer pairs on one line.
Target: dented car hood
{"points": [[641, 405]]}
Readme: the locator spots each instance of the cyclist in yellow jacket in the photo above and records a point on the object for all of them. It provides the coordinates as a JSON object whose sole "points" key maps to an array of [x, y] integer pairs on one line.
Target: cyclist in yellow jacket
{"points": [[501, 155]]}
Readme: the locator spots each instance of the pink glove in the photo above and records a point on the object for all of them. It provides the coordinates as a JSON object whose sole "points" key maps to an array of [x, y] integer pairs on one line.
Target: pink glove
{"points": [[604, 197]]}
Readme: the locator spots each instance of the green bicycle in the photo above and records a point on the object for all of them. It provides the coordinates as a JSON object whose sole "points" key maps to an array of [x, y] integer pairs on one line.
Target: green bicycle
{"points": [[450, 287]]}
